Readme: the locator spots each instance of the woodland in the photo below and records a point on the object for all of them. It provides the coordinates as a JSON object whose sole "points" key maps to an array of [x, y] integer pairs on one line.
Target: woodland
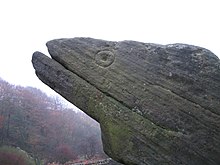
{"points": [[45, 127]]}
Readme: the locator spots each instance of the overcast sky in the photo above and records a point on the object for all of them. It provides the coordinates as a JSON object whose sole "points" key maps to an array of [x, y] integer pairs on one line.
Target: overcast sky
{"points": [[26, 25]]}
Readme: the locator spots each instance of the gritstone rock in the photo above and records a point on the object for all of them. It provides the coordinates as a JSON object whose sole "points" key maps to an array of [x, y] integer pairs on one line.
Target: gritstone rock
{"points": [[156, 104]]}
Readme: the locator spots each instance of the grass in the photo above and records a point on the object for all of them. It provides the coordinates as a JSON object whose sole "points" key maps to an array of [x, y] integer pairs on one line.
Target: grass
{"points": [[11, 156]]}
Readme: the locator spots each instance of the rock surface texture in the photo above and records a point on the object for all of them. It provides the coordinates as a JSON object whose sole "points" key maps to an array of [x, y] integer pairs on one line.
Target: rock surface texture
{"points": [[156, 104]]}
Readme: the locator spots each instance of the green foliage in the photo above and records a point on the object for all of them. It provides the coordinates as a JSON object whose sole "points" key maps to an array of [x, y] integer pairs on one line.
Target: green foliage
{"points": [[12, 156]]}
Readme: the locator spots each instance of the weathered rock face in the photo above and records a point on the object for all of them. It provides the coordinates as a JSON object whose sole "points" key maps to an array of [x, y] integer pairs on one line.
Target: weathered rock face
{"points": [[156, 104]]}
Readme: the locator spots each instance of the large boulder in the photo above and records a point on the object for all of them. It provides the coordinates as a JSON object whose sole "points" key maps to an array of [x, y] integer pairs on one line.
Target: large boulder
{"points": [[156, 104]]}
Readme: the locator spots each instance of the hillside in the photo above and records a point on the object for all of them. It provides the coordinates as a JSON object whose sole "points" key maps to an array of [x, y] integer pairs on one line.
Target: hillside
{"points": [[44, 127]]}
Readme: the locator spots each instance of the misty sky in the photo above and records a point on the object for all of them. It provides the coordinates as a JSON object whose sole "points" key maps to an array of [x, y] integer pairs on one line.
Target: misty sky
{"points": [[26, 25]]}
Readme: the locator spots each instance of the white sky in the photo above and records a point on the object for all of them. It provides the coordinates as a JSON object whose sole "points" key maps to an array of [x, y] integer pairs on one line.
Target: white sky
{"points": [[26, 25]]}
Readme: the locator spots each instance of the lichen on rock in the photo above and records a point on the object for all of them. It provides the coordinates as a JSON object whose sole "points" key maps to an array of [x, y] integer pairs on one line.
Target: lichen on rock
{"points": [[156, 104]]}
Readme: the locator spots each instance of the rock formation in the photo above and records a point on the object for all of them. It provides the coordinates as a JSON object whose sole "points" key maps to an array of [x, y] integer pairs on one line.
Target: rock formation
{"points": [[156, 104]]}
